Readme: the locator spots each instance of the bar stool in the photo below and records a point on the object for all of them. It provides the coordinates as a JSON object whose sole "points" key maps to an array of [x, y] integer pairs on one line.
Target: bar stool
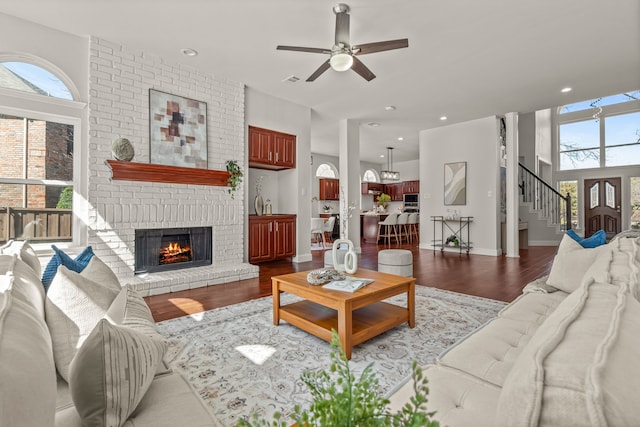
{"points": [[414, 221], [317, 231], [403, 228], [387, 228]]}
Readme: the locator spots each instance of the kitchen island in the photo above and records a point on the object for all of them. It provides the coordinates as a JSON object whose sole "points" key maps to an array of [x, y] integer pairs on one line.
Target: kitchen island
{"points": [[369, 226]]}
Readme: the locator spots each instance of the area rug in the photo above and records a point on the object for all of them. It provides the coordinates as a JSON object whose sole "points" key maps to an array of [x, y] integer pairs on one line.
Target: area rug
{"points": [[241, 363]]}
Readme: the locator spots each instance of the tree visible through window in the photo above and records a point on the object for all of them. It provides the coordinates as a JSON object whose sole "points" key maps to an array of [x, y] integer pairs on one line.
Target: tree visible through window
{"points": [[600, 133], [326, 171], [370, 176], [571, 188]]}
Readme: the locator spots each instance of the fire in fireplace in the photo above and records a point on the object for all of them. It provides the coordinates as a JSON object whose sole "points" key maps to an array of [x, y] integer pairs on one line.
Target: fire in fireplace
{"points": [[174, 252], [172, 248]]}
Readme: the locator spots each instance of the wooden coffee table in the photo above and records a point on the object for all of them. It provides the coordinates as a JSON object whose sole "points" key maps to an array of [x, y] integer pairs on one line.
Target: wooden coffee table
{"points": [[357, 316]]}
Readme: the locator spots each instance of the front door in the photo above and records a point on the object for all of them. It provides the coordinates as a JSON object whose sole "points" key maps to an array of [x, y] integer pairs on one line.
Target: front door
{"points": [[602, 206]]}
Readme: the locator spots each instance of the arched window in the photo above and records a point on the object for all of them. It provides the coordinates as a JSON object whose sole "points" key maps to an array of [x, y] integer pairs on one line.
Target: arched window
{"points": [[36, 170], [32, 79], [327, 170], [370, 175]]}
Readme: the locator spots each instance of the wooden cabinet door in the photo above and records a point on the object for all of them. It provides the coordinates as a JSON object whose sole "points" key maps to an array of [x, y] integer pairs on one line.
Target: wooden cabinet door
{"points": [[260, 146], [394, 191], [260, 236], [410, 187], [285, 150], [329, 189], [285, 237]]}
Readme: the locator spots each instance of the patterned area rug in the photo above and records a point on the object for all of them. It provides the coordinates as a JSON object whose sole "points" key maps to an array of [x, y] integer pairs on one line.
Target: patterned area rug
{"points": [[241, 363]]}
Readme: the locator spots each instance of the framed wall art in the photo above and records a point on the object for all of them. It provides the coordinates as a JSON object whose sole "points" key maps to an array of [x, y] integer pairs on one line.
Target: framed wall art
{"points": [[177, 130], [455, 183]]}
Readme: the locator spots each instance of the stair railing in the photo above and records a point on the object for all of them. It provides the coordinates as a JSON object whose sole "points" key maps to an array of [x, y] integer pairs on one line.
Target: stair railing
{"points": [[544, 198]]}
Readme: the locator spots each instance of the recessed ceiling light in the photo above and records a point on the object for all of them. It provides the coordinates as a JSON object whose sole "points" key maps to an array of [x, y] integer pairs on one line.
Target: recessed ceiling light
{"points": [[382, 156], [565, 89], [189, 52], [373, 124], [443, 118], [390, 107], [400, 138]]}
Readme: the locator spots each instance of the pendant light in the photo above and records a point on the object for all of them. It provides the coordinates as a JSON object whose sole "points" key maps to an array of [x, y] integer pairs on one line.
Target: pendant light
{"points": [[389, 174]]}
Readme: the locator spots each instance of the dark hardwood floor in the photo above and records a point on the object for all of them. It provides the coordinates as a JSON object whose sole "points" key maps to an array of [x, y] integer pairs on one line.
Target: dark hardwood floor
{"points": [[499, 278]]}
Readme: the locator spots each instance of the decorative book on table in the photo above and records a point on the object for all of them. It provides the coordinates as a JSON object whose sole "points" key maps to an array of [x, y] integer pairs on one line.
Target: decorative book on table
{"points": [[349, 284]]}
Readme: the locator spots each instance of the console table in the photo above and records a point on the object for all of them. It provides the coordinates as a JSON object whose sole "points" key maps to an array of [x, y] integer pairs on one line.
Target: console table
{"points": [[456, 226]]}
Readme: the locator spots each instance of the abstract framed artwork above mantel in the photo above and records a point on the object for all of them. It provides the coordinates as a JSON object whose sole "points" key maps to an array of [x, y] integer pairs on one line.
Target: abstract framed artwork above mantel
{"points": [[177, 130], [455, 183]]}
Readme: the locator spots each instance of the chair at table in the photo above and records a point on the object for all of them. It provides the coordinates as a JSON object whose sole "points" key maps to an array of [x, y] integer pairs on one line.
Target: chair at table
{"points": [[387, 228], [317, 230], [328, 227]]}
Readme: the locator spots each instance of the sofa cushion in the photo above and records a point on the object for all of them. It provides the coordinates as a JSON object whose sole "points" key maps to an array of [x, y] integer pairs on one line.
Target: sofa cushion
{"points": [[458, 399], [27, 372], [24, 251], [111, 372], [73, 307], [171, 401], [59, 257], [581, 366], [532, 306], [596, 239], [489, 353]]}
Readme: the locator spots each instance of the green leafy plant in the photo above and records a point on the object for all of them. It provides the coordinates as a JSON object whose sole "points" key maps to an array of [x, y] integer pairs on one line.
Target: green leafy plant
{"points": [[384, 200], [341, 399], [66, 199], [235, 176]]}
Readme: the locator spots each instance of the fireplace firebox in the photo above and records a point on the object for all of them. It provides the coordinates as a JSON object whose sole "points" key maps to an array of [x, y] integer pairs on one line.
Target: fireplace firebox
{"points": [[172, 249]]}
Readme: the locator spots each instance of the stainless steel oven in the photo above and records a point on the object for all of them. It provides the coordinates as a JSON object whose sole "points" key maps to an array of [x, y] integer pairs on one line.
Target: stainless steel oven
{"points": [[411, 202]]}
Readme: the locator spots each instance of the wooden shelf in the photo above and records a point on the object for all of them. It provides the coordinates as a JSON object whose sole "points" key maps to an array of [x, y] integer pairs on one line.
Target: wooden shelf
{"points": [[132, 171]]}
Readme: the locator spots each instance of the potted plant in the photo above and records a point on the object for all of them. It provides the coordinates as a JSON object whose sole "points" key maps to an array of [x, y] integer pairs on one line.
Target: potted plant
{"points": [[235, 176], [326, 207], [384, 200], [341, 399]]}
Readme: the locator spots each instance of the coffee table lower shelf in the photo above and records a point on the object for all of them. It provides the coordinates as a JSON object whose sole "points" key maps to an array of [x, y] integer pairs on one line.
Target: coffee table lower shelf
{"points": [[367, 322]]}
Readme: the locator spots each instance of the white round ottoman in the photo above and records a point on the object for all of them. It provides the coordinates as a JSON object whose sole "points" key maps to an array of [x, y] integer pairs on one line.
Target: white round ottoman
{"points": [[396, 261], [328, 257]]}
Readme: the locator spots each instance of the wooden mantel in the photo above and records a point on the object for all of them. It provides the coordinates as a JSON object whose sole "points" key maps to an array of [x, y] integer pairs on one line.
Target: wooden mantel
{"points": [[132, 171]]}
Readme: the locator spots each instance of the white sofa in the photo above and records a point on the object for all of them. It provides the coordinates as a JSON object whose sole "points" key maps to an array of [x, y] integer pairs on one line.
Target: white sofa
{"points": [[117, 375], [564, 353]]}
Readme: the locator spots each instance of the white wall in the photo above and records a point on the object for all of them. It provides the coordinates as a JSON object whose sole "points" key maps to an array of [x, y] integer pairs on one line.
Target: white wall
{"points": [[475, 142], [288, 189], [120, 79]]}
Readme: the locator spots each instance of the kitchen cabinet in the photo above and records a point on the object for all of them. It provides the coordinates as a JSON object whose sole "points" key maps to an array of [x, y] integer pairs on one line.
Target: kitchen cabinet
{"points": [[269, 149], [410, 187], [329, 189], [271, 237], [374, 188], [394, 191]]}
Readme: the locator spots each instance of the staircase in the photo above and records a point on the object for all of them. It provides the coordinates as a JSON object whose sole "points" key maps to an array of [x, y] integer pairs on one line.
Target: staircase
{"points": [[544, 200]]}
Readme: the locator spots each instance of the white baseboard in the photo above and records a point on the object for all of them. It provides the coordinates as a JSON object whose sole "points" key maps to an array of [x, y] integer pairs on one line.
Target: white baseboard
{"points": [[302, 258]]}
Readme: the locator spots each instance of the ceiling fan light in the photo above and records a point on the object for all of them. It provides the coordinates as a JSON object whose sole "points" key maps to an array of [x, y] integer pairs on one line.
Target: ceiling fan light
{"points": [[341, 61]]}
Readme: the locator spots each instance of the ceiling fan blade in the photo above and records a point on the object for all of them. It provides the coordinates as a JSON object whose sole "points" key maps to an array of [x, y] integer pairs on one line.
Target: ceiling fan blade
{"points": [[366, 48], [304, 49], [362, 69], [342, 28], [324, 67]]}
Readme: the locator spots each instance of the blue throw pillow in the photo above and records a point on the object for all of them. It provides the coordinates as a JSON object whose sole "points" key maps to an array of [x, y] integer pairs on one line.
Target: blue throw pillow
{"points": [[597, 239], [76, 264]]}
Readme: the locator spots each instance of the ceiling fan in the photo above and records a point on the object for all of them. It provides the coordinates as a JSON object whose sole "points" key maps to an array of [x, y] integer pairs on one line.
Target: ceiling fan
{"points": [[343, 55]]}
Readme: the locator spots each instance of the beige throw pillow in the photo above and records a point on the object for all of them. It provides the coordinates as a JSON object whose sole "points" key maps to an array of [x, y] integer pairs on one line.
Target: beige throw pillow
{"points": [[111, 373], [571, 263], [25, 252], [74, 305]]}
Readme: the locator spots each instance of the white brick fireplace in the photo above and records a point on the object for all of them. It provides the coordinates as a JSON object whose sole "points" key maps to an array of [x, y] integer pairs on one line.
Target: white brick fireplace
{"points": [[119, 85]]}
